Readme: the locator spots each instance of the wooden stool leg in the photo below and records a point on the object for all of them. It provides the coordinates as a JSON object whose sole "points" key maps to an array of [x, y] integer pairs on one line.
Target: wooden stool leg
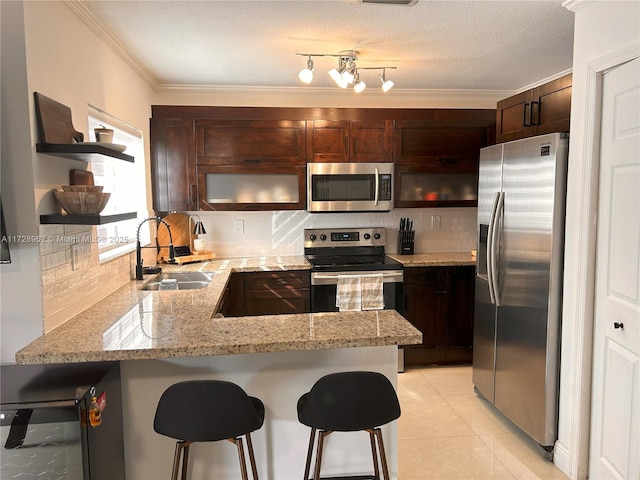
{"points": [[374, 455], [243, 463], [383, 458], [176, 460], [252, 458], [309, 454], [185, 460], [316, 475]]}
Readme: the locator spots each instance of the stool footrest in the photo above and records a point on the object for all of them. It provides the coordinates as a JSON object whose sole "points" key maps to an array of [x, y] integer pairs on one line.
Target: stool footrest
{"points": [[353, 477]]}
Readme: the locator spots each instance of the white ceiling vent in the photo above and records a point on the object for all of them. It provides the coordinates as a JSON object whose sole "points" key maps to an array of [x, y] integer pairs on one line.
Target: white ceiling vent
{"points": [[392, 2]]}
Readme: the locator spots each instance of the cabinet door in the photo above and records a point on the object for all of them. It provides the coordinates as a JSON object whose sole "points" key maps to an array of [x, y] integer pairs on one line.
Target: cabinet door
{"points": [[553, 109], [514, 118], [251, 142], [426, 305], [233, 303], [173, 165], [460, 315], [350, 141], [328, 141], [371, 141]]}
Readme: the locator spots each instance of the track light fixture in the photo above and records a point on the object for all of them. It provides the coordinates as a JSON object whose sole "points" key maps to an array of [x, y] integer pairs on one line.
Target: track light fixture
{"points": [[346, 73], [306, 74]]}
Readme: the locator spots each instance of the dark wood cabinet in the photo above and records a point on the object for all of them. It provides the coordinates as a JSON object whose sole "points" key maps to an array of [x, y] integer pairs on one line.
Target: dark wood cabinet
{"points": [[173, 164], [436, 160], [272, 293], [250, 142], [266, 293], [544, 109], [350, 140], [439, 303]]}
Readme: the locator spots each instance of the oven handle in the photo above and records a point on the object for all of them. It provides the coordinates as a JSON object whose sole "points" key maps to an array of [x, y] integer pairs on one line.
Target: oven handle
{"points": [[392, 276]]}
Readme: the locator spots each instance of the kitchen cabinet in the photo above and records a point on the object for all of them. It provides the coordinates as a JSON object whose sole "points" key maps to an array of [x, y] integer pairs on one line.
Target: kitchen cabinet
{"points": [[540, 110], [439, 303], [350, 140], [436, 161], [173, 164], [271, 293]]}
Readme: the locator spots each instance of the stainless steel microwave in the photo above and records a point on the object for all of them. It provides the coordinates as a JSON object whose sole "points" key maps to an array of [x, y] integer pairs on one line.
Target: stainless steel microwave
{"points": [[349, 187]]}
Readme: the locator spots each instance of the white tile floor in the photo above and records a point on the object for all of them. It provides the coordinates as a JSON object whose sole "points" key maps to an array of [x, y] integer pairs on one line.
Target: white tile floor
{"points": [[446, 432]]}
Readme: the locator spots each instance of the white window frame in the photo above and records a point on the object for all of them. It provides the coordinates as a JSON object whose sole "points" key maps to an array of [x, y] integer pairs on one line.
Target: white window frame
{"points": [[125, 181]]}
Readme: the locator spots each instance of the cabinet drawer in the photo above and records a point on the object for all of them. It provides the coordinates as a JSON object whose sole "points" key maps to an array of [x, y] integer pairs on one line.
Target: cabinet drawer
{"points": [[275, 302], [434, 277], [276, 280]]}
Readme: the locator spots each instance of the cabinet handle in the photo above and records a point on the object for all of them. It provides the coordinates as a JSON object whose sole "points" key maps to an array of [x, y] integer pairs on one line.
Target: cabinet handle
{"points": [[355, 146], [619, 325], [346, 145], [192, 193], [526, 117], [537, 104]]}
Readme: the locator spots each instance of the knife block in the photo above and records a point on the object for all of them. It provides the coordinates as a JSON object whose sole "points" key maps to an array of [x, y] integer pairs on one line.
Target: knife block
{"points": [[405, 242]]}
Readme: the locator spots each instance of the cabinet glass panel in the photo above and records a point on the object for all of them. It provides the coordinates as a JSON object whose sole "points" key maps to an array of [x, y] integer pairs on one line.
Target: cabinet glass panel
{"points": [[438, 186], [251, 188]]}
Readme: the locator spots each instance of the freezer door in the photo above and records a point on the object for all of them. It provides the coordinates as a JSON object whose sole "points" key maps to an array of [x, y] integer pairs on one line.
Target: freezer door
{"points": [[489, 180], [530, 262]]}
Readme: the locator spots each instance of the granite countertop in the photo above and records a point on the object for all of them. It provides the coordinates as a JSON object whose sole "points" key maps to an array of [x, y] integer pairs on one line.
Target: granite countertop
{"points": [[135, 324], [435, 259]]}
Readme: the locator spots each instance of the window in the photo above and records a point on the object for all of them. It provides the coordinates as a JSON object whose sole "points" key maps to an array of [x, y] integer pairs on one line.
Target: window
{"points": [[126, 183]]}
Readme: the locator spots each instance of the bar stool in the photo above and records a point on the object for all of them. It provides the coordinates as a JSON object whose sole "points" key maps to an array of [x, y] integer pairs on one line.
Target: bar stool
{"points": [[348, 402], [208, 411]]}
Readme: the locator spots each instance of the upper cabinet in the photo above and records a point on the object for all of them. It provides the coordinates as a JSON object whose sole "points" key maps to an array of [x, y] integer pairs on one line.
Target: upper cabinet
{"points": [[544, 109], [350, 140], [173, 164], [436, 159]]}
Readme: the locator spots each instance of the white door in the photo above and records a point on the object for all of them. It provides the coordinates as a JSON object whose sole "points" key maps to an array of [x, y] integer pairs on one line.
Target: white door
{"points": [[615, 422]]}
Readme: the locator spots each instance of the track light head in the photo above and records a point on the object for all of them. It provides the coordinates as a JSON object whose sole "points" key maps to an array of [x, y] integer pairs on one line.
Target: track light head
{"points": [[386, 84], [306, 74], [359, 85]]}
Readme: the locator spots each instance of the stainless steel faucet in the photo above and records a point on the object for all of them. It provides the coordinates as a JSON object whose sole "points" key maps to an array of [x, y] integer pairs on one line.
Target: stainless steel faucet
{"points": [[172, 258]]}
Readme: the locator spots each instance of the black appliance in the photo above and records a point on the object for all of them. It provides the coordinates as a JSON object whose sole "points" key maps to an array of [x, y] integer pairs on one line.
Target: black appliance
{"points": [[350, 251], [45, 427]]}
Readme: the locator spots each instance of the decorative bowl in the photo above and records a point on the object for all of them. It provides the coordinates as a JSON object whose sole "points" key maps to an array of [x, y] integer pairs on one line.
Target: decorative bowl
{"points": [[82, 188], [82, 203]]}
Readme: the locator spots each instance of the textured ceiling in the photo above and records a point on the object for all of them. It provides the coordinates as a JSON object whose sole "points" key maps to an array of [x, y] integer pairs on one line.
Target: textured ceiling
{"points": [[478, 45]]}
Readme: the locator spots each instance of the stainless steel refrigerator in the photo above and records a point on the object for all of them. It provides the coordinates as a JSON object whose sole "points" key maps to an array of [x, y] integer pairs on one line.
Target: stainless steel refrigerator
{"points": [[518, 294]]}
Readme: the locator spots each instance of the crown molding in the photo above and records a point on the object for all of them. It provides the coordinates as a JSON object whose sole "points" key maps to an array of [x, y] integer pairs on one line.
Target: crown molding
{"points": [[80, 9], [575, 5], [545, 80]]}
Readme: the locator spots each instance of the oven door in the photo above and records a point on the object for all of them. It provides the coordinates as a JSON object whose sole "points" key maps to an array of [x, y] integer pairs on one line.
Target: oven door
{"points": [[343, 187], [324, 286]]}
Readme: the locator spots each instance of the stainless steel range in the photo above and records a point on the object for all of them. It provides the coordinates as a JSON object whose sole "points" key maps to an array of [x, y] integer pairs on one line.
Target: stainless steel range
{"points": [[335, 252]]}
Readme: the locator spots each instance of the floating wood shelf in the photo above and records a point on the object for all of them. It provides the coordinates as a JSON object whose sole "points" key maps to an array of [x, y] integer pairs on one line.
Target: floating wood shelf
{"points": [[61, 218], [85, 152]]}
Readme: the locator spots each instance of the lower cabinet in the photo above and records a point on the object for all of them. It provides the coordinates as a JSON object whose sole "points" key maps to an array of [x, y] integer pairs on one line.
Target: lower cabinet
{"points": [[439, 303], [266, 293]]}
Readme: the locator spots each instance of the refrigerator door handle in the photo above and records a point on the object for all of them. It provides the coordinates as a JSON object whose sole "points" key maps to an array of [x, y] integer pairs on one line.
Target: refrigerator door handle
{"points": [[495, 235], [494, 207]]}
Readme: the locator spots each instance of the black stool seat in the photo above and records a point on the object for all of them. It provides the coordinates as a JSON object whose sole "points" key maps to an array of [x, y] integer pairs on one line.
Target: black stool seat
{"points": [[348, 402], [208, 411]]}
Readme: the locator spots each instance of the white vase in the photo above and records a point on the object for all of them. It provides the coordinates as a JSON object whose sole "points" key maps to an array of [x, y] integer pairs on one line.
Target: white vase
{"points": [[199, 244]]}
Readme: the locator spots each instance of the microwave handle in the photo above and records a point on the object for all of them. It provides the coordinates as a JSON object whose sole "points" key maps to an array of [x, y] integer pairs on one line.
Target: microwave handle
{"points": [[375, 198]]}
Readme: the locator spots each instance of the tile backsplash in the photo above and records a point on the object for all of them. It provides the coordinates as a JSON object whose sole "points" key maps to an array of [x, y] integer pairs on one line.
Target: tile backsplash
{"points": [[238, 234], [73, 279]]}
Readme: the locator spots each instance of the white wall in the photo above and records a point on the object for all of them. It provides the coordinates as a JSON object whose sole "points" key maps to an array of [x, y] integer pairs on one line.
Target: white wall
{"points": [[606, 32], [46, 48]]}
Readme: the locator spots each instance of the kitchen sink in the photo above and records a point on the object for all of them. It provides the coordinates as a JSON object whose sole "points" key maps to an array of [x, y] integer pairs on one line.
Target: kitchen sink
{"points": [[179, 281]]}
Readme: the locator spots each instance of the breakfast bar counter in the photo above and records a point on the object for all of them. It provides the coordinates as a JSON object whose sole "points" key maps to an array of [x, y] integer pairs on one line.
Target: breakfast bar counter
{"points": [[167, 336]]}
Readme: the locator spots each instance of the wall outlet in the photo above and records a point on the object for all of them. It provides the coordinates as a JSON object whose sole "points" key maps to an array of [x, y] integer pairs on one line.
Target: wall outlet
{"points": [[435, 222], [238, 226]]}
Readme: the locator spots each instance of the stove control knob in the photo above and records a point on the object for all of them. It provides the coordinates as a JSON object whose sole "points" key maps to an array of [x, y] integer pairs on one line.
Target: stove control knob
{"points": [[323, 237], [367, 236], [376, 236], [312, 237]]}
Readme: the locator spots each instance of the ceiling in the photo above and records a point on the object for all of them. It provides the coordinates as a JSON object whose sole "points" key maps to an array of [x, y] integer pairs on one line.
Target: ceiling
{"points": [[476, 45]]}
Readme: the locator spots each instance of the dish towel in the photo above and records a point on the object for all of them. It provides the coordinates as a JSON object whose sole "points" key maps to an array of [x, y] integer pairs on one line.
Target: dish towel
{"points": [[349, 293], [372, 292]]}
